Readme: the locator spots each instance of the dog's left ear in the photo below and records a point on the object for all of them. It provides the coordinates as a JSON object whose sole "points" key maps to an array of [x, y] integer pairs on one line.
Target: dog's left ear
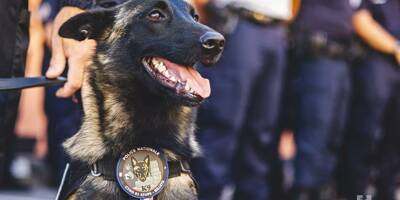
{"points": [[87, 25]]}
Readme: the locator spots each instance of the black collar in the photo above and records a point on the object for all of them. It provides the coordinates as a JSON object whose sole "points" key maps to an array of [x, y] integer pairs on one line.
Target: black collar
{"points": [[106, 168]]}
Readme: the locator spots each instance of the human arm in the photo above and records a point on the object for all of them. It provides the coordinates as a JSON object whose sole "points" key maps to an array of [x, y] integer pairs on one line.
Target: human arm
{"points": [[374, 34]]}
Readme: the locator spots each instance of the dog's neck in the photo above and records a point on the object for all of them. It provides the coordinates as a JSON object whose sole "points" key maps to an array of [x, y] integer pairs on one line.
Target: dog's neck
{"points": [[118, 119]]}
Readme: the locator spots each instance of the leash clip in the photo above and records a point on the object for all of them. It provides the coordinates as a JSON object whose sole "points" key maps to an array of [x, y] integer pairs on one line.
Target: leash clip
{"points": [[94, 171], [185, 167]]}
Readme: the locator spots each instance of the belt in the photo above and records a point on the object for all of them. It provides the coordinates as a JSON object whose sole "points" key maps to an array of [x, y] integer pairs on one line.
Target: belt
{"points": [[253, 16], [8, 84]]}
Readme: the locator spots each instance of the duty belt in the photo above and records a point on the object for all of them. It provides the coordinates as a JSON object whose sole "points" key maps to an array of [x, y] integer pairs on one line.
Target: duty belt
{"points": [[304, 43], [254, 16]]}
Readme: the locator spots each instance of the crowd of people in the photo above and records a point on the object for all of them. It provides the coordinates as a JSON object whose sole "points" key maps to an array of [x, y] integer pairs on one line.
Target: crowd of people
{"points": [[329, 75]]}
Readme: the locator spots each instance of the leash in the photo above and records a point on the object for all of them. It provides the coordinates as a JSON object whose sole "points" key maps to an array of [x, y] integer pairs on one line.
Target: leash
{"points": [[9, 84]]}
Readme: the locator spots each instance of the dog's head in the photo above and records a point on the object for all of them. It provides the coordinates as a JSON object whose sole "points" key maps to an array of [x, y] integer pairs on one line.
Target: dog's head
{"points": [[155, 42], [141, 169]]}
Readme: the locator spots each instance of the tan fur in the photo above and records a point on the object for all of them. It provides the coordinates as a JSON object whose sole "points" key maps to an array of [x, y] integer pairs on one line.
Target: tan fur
{"points": [[73, 197], [116, 113], [122, 20], [87, 145], [103, 59], [181, 187]]}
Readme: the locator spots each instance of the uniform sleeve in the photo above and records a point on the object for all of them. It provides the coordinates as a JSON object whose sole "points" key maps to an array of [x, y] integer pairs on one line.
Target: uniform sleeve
{"points": [[84, 4]]}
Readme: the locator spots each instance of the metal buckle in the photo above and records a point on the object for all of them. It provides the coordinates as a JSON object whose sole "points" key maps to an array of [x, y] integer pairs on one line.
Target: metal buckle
{"points": [[93, 170], [184, 168]]}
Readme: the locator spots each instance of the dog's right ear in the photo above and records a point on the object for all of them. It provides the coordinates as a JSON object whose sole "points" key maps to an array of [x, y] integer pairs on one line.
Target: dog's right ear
{"points": [[87, 25]]}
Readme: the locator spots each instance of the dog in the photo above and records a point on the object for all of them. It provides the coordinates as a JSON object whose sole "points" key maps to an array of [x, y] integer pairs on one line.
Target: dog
{"points": [[142, 90]]}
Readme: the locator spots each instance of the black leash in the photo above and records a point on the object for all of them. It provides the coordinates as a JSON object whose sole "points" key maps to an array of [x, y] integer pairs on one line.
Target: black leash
{"points": [[8, 84]]}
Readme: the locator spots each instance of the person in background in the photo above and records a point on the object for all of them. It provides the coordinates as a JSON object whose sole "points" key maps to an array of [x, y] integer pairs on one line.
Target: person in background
{"points": [[238, 124], [14, 20], [320, 84], [31, 119], [373, 138]]}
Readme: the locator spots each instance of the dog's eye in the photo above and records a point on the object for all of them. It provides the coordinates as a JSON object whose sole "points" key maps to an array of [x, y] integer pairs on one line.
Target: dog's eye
{"points": [[156, 15]]}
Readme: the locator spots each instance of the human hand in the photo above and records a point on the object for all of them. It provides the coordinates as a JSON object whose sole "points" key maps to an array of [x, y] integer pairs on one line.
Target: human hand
{"points": [[77, 54], [32, 120]]}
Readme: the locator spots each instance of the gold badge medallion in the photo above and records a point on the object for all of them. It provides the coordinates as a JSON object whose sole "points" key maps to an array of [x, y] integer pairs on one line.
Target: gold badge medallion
{"points": [[142, 172]]}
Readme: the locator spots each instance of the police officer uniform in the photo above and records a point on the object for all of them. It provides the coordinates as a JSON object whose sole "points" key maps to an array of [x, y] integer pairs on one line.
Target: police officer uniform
{"points": [[238, 123], [14, 23], [373, 138], [320, 90], [14, 20]]}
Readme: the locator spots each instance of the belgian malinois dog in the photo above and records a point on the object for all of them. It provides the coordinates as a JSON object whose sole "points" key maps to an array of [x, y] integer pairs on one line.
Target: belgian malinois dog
{"points": [[142, 89]]}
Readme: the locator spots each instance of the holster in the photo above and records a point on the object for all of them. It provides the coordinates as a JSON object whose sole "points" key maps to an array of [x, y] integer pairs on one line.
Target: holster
{"points": [[253, 16], [305, 44]]}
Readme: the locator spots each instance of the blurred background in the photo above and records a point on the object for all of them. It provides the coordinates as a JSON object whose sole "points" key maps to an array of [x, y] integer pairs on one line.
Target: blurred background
{"points": [[305, 104]]}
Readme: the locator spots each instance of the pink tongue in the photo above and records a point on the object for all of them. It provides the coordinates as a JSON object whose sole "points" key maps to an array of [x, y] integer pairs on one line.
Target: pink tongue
{"points": [[199, 84]]}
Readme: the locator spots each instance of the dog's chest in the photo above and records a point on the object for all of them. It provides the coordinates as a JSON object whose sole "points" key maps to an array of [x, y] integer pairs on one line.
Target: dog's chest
{"points": [[178, 188]]}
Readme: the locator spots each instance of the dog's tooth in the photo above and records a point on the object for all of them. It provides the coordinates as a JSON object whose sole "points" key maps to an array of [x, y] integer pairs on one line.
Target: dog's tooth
{"points": [[155, 61], [158, 67], [162, 67], [173, 79], [166, 73], [187, 87]]}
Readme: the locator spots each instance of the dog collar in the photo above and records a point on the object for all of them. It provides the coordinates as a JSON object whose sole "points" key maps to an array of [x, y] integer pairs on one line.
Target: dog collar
{"points": [[141, 173]]}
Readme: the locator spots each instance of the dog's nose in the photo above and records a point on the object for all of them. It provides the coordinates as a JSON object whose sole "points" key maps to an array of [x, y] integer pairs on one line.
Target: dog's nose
{"points": [[212, 41]]}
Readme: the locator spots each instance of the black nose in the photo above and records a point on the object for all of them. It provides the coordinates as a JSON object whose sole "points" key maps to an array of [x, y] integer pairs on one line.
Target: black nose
{"points": [[212, 41]]}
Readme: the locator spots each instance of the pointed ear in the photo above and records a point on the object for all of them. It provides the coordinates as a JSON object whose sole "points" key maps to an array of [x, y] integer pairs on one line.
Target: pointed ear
{"points": [[147, 160], [134, 162], [88, 25]]}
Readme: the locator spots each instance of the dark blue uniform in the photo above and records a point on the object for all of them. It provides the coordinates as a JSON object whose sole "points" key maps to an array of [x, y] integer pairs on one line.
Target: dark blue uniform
{"points": [[241, 114], [14, 20], [331, 17], [373, 139], [320, 93]]}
